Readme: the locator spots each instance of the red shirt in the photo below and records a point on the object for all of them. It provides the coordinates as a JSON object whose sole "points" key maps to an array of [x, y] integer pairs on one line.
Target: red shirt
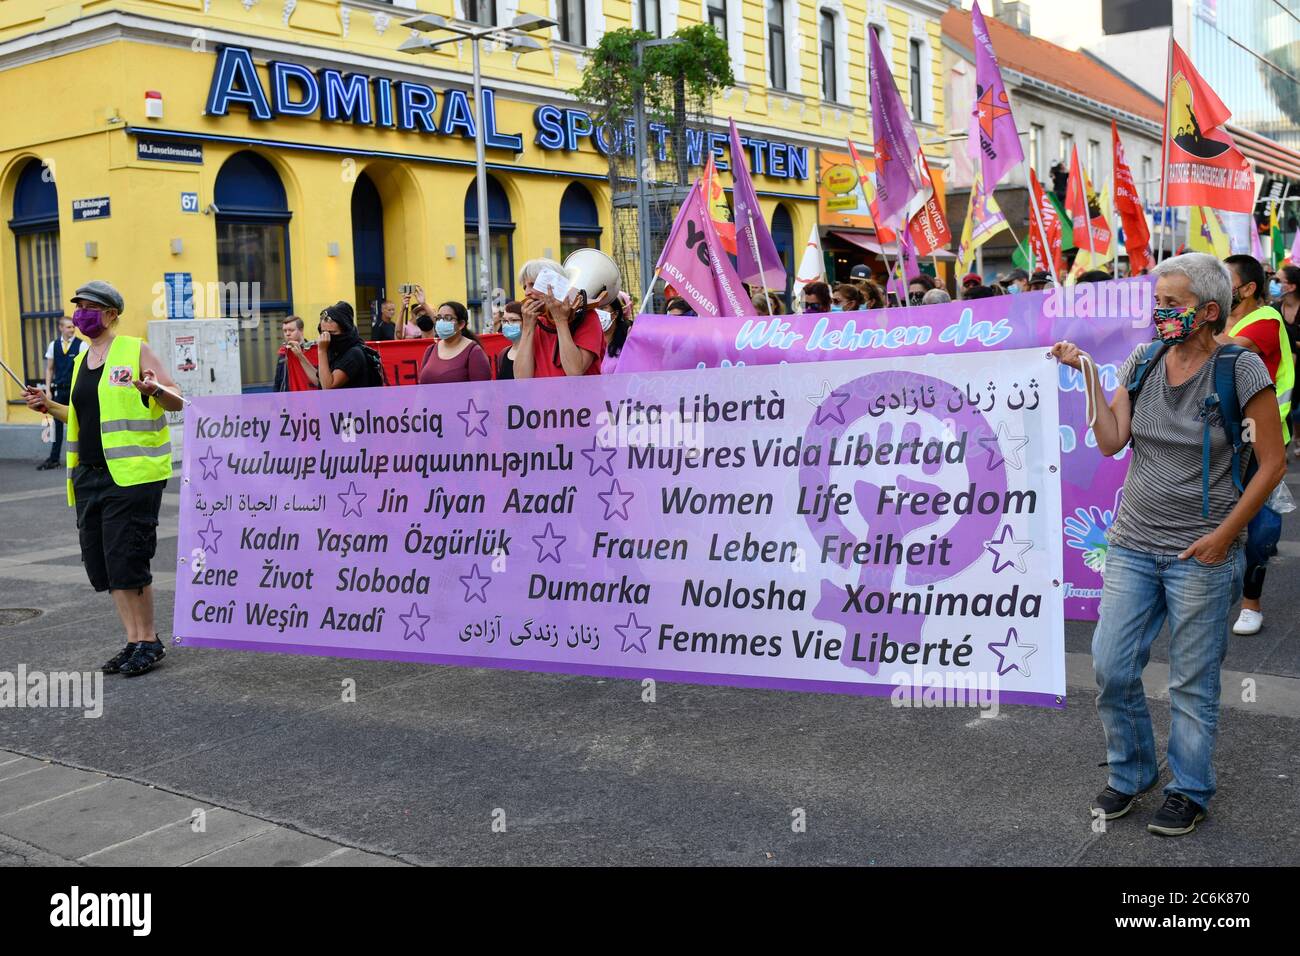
{"points": [[1264, 333], [546, 346]]}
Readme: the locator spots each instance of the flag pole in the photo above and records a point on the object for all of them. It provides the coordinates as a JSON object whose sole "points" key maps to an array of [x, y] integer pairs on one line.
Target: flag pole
{"points": [[654, 277], [1114, 215], [762, 274], [1036, 216], [1164, 155]]}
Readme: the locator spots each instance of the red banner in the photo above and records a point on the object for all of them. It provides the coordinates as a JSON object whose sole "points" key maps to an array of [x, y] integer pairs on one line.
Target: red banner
{"points": [[1051, 224], [401, 359], [929, 227], [1137, 237], [1091, 231], [1203, 167]]}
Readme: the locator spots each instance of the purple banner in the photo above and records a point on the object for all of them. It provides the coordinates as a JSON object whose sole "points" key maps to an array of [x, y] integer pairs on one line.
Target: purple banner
{"points": [[862, 527], [1106, 319]]}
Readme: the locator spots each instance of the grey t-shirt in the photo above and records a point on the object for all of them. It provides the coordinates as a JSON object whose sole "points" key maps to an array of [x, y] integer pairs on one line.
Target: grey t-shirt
{"points": [[1160, 508]]}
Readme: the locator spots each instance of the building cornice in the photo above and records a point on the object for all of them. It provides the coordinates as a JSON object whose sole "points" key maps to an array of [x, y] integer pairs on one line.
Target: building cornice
{"points": [[114, 26]]}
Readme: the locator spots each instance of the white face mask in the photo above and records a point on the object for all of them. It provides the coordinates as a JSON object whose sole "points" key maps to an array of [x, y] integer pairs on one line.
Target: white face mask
{"points": [[606, 319]]}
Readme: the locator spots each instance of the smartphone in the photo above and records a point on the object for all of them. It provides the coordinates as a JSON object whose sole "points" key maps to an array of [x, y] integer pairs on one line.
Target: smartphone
{"points": [[408, 289], [553, 283]]}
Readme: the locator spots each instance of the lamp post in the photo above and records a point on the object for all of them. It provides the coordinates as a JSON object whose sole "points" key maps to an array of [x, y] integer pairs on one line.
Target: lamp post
{"points": [[460, 30]]}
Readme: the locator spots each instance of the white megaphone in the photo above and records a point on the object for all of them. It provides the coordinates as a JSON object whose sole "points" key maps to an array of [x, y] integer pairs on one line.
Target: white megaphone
{"points": [[594, 274]]}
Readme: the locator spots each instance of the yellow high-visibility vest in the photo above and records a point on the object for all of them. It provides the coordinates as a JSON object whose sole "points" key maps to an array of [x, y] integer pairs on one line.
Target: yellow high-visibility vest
{"points": [[137, 443], [1285, 366]]}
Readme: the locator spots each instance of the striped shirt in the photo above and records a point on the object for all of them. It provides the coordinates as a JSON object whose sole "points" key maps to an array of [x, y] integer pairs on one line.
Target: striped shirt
{"points": [[1160, 506]]}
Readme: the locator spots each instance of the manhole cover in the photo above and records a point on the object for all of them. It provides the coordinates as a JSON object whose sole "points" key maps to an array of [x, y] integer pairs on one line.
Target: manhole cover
{"points": [[17, 615]]}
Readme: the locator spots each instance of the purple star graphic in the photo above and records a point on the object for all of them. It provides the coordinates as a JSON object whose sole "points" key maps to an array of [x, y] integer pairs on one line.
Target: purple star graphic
{"points": [[210, 536], [633, 634], [548, 544], [475, 585], [1014, 656], [594, 452], [830, 405], [480, 416], [1004, 542], [616, 501], [1014, 444], [409, 621], [352, 500], [209, 461]]}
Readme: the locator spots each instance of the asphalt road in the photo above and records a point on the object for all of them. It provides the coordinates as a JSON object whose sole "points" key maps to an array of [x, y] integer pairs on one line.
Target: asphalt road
{"points": [[443, 765]]}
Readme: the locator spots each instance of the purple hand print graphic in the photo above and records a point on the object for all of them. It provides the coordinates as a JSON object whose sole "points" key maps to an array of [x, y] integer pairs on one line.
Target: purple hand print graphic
{"points": [[966, 537]]}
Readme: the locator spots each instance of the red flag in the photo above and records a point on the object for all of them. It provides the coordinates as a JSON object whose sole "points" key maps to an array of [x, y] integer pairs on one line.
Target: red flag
{"points": [[1202, 165], [929, 227], [716, 202], [1137, 237], [1051, 229], [883, 233], [1091, 231]]}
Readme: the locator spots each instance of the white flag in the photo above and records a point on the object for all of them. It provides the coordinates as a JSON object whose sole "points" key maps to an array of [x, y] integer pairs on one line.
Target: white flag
{"points": [[812, 267]]}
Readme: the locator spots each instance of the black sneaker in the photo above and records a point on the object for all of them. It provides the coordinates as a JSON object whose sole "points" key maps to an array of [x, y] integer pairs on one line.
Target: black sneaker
{"points": [[47, 465], [146, 657], [1179, 815], [1110, 804], [114, 663]]}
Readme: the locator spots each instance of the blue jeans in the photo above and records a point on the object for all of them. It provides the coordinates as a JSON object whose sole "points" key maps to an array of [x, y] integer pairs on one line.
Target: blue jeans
{"points": [[1139, 592]]}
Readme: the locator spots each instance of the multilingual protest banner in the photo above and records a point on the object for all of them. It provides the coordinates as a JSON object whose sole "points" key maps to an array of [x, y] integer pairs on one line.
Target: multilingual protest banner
{"points": [[871, 527], [1106, 319]]}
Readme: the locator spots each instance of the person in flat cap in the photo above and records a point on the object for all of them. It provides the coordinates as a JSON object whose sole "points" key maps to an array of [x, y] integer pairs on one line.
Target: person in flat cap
{"points": [[119, 461]]}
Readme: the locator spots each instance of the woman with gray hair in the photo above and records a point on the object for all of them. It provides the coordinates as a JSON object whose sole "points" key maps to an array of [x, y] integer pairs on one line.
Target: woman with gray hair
{"points": [[1175, 548], [936, 297]]}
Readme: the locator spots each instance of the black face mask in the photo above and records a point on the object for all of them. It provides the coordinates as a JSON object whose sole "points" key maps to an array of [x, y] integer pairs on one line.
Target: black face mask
{"points": [[915, 297], [424, 323]]}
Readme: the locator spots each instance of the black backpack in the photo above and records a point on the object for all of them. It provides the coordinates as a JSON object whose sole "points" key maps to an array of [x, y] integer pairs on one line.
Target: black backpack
{"points": [[1224, 398], [375, 374]]}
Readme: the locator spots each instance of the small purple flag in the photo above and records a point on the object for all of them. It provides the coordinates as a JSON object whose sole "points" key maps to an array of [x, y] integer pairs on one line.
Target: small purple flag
{"points": [[998, 147], [757, 260], [901, 190], [694, 264]]}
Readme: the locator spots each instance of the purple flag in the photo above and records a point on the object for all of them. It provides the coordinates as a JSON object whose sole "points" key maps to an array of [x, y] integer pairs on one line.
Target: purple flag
{"points": [[693, 263], [901, 190], [999, 143], [757, 260]]}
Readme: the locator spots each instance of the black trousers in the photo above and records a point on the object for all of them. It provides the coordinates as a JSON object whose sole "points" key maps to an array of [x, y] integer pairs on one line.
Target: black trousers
{"points": [[118, 528]]}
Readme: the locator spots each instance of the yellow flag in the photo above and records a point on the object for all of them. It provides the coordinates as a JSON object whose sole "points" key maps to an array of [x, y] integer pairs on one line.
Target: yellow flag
{"points": [[1208, 234], [1086, 259], [984, 220]]}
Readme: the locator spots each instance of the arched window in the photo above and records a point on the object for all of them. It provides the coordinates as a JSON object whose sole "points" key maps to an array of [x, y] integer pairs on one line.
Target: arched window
{"points": [[35, 225], [367, 251], [501, 263], [253, 260], [579, 220], [783, 238]]}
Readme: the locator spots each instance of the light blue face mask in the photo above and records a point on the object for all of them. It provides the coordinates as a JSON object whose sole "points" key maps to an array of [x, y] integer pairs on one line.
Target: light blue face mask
{"points": [[1274, 289], [511, 330], [1013, 288], [837, 308], [444, 328]]}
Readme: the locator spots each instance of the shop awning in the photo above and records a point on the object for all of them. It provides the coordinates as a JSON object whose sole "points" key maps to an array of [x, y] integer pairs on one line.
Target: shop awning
{"points": [[1265, 153], [869, 243]]}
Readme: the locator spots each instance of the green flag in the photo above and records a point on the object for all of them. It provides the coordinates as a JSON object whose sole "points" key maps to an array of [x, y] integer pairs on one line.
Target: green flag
{"points": [[1067, 228]]}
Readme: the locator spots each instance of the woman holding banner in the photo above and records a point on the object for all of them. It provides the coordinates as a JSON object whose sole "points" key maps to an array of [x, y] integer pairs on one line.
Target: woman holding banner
{"points": [[119, 461], [1175, 549]]}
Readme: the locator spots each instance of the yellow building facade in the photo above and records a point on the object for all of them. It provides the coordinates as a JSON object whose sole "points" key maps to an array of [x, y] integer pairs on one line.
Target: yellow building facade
{"points": [[186, 149]]}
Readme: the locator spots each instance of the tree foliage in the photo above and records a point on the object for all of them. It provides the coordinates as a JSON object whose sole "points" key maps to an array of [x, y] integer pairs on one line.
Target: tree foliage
{"points": [[698, 67]]}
